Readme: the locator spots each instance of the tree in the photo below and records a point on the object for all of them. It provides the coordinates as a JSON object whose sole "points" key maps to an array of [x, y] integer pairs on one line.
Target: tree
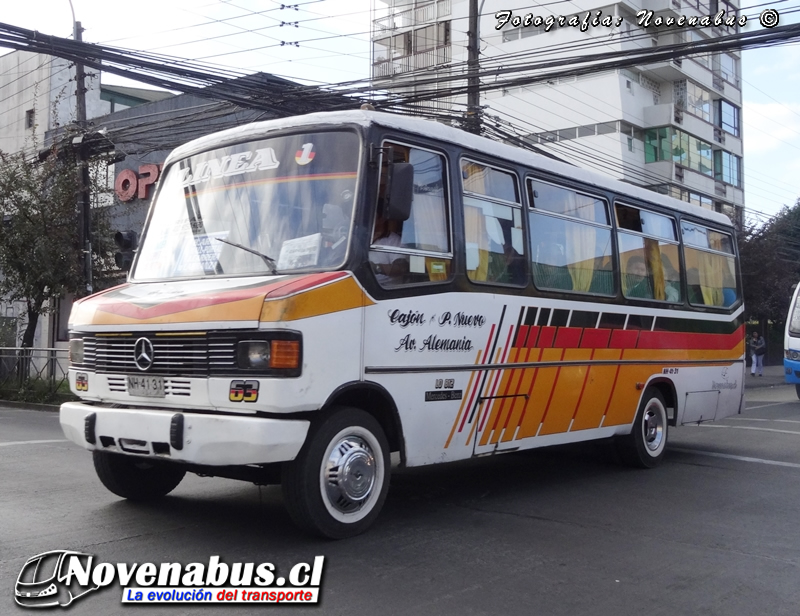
{"points": [[40, 256], [770, 261]]}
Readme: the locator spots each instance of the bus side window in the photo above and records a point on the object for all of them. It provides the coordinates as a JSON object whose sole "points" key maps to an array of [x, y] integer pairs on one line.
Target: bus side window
{"points": [[416, 250], [495, 246], [711, 266], [570, 240], [648, 246]]}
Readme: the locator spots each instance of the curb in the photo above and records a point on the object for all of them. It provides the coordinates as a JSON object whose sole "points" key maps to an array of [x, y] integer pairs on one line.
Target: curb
{"points": [[30, 406]]}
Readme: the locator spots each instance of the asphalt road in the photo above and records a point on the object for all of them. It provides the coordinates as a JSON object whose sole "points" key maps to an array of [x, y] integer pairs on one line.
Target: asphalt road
{"points": [[557, 531]]}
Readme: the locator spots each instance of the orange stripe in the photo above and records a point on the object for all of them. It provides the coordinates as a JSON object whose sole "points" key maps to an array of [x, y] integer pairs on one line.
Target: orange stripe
{"points": [[343, 294], [463, 401], [597, 395], [566, 391]]}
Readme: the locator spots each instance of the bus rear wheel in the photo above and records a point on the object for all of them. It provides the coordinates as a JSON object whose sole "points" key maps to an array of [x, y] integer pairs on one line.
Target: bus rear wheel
{"points": [[644, 447], [337, 485], [138, 479]]}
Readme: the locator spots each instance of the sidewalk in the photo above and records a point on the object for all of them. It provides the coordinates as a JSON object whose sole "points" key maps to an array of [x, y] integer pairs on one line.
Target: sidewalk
{"points": [[773, 376]]}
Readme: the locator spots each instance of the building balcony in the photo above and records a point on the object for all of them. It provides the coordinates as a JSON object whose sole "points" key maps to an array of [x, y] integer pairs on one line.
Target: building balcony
{"points": [[383, 69], [420, 15]]}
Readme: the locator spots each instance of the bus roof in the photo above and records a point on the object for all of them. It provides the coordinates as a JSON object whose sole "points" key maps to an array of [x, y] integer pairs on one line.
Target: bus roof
{"points": [[439, 131]]}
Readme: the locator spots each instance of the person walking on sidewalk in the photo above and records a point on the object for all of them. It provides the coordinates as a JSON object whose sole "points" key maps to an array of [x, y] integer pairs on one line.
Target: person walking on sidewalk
{"points": [[758, 348]]}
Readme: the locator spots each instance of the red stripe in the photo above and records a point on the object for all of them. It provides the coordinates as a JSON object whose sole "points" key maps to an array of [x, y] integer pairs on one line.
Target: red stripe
{"points": [[304, 283], [508, 383], [205, 299], [546, 337], [623, 339], [477, 381], [522, 336], [494, 382], [682, 340], [595, 338], [532, 336], [568, 338]]}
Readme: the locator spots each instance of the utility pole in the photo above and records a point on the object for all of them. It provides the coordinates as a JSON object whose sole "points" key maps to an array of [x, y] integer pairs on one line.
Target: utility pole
{"points": [[84, 203], [472, 122]]}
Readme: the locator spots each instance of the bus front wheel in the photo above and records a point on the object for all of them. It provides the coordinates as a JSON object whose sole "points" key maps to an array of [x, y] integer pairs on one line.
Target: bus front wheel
{"points": [[797, 390], [644, 447], [338, 483], [136, 478]]}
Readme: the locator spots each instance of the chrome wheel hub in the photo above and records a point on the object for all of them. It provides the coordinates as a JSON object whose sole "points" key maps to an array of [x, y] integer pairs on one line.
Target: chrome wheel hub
{"points": [[653, 429], [349, 474]]}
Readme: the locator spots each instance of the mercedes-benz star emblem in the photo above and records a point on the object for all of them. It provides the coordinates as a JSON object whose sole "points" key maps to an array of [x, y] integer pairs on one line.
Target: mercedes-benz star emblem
{"points": [[143, 354]]}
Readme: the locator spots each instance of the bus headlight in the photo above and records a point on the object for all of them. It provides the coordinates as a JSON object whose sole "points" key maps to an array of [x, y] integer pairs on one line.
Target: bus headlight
{"points": [[253, 354], [76, 351], [268, 355], [794, 355]]}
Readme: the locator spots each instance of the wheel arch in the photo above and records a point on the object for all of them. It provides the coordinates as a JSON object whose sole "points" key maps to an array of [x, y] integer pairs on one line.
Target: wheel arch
{"points": [[374, 399], [666, 387]]}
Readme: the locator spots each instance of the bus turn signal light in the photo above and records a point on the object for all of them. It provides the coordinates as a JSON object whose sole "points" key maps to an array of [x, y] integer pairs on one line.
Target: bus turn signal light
{"points": [[285, 354]]}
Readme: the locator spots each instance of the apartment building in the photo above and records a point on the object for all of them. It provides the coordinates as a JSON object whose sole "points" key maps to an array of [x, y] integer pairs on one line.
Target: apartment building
{"points": [[674, 126]]}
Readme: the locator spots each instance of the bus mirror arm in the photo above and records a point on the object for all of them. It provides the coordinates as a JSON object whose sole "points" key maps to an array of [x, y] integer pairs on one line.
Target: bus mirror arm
{"points": [[400, 191]]}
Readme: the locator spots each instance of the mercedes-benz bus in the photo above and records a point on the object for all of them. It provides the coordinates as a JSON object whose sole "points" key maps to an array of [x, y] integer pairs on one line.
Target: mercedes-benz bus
{"points": [[313, 294]]}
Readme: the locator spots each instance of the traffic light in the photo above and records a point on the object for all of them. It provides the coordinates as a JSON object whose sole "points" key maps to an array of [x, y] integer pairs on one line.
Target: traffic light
{"points": [[127, 242]]}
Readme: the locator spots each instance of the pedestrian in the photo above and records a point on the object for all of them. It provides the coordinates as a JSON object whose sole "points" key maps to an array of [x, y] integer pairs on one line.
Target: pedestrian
{"points": [[758, 348]]}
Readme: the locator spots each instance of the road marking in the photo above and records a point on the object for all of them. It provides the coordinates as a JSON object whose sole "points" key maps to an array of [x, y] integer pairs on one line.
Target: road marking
{"points": [[794, 421], [750, 428], [729, 456], [764, 406], [9, 443]]}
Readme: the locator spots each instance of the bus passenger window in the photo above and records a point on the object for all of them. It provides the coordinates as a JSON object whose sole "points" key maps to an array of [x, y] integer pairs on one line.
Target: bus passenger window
{"points": [[495, 247], [711, 266], [570, 240], [415, 250], [648, 245]]}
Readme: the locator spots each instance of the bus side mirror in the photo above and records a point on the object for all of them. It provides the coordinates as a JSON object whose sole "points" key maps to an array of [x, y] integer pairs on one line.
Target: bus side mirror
{"points": [[400, 192]]}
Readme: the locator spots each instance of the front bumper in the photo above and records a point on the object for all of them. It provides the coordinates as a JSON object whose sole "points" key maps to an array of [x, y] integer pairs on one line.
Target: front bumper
{"points": [[791, 370], [214, 440]]}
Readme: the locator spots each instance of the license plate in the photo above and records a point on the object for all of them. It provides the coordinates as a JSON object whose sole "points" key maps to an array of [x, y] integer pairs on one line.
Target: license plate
{"points": [[147, 386]]}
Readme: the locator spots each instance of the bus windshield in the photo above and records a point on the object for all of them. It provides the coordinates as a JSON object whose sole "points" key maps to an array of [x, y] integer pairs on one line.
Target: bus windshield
{"points": [[261, 207]]}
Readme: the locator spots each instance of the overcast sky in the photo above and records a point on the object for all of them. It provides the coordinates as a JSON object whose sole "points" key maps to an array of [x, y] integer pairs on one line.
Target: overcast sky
{"points": [[204, 30]]}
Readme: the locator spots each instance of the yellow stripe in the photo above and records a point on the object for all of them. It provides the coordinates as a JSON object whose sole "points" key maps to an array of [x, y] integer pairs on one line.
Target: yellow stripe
{"points": [[344, 294]]}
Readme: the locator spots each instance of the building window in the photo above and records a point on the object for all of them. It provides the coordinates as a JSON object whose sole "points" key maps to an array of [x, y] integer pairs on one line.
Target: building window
{"points": [[30, 118], [682, 148], [727, 168], [695, 37], [727, 117], [727, 67], [698, 101]]}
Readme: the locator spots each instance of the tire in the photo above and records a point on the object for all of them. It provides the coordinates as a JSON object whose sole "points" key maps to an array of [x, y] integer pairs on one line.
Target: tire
{"points": [[337, 485], [797, 390], [135, 478], [644, 447]]}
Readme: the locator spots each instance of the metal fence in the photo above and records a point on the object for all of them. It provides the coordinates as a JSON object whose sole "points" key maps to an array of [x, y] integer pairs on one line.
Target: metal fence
{"points": [[34, 374]]}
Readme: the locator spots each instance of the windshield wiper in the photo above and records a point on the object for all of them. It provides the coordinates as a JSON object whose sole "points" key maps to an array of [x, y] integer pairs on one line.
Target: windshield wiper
{"points": [[268, 260]]}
